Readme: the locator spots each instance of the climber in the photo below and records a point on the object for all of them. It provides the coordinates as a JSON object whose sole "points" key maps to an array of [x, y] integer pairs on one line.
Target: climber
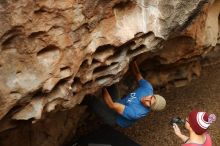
{"points": [[132, 107], [197, 124]]}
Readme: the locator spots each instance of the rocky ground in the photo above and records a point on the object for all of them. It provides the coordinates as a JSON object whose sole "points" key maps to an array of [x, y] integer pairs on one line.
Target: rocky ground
{"points": [[154, 130]]}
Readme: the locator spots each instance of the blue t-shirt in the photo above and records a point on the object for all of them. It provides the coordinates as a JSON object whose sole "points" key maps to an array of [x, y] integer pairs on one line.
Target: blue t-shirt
{"points": [[134, 109]]}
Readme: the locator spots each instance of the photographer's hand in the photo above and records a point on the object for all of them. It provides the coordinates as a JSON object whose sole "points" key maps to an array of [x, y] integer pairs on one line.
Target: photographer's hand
{"points": [[179, 133], [176, 129]]}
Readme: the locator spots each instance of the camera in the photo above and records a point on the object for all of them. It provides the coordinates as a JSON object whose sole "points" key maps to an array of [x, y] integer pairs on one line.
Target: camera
{"points": [[177, 120]]}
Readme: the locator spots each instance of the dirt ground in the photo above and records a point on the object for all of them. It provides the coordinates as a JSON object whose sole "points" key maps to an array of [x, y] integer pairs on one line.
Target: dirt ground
{"points": [[154, 130]]}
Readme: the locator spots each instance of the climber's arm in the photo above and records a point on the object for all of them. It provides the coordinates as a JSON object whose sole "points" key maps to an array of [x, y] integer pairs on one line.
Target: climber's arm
{"points": [[119, 108], [136, 71]]}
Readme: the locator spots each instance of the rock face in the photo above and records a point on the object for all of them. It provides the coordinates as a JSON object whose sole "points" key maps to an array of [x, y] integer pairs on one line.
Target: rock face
{"points": [[56, 130], [53, 53]]}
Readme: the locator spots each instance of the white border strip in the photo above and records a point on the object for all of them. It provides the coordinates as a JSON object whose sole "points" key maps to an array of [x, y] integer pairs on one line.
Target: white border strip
{"points": [[202, 123]]}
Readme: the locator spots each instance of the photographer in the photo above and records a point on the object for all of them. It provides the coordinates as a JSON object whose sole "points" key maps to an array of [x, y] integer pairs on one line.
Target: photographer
{"points": [[197, 124]]}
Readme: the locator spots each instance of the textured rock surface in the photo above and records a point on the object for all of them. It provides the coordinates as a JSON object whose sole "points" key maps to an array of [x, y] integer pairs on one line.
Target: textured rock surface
{"points": [[53, 53]]}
